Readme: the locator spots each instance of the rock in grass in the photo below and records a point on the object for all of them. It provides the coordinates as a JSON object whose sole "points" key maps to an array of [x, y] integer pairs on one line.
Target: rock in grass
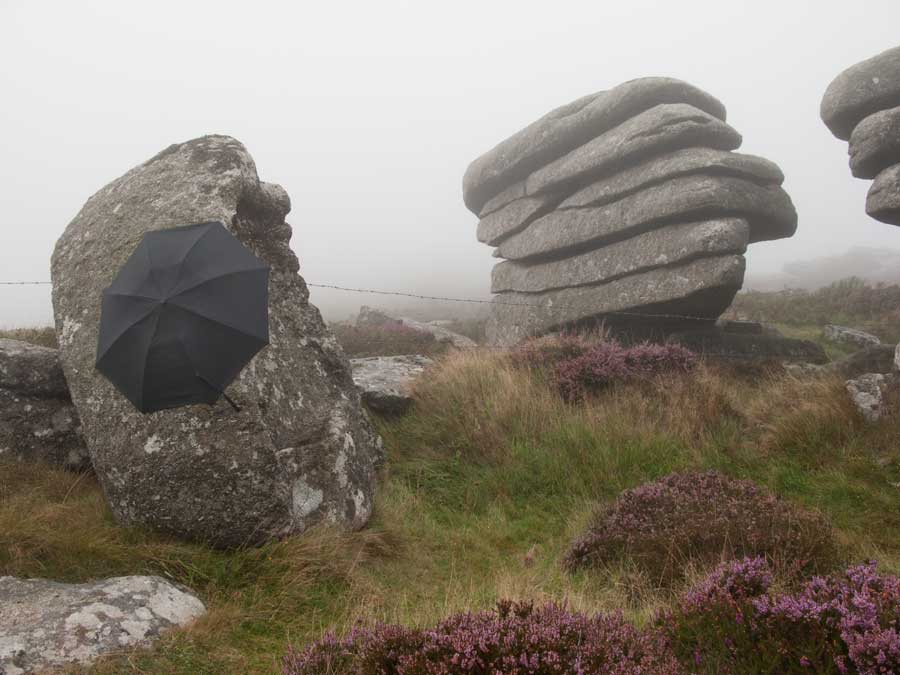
{"points": [[570, 126], [31, 370], [768, 210], [385, 381], [875, 143], [300, 451], [702, 288], [661, 129], [45, 624], [666, 246], [883, 200], [852, 336], [861, 90], [867, 394]]}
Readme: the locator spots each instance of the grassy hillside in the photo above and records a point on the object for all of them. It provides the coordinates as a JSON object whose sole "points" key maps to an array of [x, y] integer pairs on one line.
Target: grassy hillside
{"points": [[489, 480]]}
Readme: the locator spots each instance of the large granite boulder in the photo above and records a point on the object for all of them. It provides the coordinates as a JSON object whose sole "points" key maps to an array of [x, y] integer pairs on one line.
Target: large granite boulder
{"points": [[37, 419], [862, 106], [301, 449], [47, 625], [386, 381], [622, 207]]}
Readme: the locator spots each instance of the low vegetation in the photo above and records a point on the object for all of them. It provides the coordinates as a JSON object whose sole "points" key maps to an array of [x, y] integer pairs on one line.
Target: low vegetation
{"points": [[43, 337], [386, 340], [490, 479], [850, 302]]}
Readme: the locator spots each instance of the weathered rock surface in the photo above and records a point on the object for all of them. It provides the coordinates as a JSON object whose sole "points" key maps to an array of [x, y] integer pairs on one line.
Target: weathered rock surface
{"points": [[867, 394], [768, 210], [675, 244], [872, 359], [700, 288], [686, 162], [41, 429], [875, 143], [600, 207], [570, 126], [45, 624], [852, 336], [31, 370], [661, 129], [862, 105], [512, 218], [385, 381], [883, 200], [301, 450], [859, 91]]}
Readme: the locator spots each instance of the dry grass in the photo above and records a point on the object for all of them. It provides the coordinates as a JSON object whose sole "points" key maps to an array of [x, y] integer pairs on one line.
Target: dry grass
{"points": [[489, 479], [43, 337]]}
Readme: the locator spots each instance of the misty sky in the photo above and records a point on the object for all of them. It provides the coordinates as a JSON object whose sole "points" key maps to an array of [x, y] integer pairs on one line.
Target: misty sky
{"points": [[369, 112]]}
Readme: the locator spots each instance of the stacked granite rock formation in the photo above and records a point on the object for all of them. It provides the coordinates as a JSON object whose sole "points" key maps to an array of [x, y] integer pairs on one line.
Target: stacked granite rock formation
{"points": [[862, 106], [625, 202]]}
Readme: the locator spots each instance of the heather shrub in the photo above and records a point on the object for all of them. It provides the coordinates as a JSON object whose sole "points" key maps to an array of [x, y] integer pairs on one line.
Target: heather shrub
{"points": [[517, 639], [388, 339], [732, 623], [579, 365], [701, 517]]}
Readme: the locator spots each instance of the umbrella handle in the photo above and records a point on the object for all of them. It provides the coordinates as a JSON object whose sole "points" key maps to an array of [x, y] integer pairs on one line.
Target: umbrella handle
{"points": [[234, 405], [209, 384]]}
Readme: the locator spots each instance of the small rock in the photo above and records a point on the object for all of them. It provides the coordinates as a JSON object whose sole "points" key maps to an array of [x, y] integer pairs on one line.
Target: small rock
{"points": [[867, 394], [41, 429], [385, 380], [31, 370], [845, 335], [45, 624]]}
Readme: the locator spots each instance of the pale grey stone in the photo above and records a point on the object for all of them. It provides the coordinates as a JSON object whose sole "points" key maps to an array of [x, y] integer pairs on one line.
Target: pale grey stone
{"points": [[661, 129], [31, 370], [883, 200], [48, 625], [897, 358], [385, 381], [859, 91], [209, 473], [513, 217], [768, 209], [679, 163], [875, 143], [867, 394], [671, 245], [852, 336], [570, 126], [702, 288], [513, 192]]}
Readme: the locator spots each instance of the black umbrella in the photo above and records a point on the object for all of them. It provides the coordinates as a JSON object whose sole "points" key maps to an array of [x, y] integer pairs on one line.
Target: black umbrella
{"points": [[187, 311]]}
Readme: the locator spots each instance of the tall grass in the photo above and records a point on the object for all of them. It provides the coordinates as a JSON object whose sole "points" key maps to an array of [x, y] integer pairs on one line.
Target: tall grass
{"points": [[489, 479]]}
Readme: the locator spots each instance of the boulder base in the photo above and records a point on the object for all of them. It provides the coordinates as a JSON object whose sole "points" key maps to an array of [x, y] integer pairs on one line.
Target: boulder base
{"points": [[300, 451]]}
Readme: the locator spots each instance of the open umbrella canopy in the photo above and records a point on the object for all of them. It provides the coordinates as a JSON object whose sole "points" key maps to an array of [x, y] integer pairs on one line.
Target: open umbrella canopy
{"points": [[185, 314]]}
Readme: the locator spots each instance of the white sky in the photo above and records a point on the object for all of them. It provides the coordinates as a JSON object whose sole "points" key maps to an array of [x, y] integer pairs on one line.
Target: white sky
{"points": [[369, 112]]}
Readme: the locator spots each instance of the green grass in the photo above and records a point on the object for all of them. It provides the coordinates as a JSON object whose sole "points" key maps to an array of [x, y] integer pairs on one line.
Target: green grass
{"points": [[488, 480]]}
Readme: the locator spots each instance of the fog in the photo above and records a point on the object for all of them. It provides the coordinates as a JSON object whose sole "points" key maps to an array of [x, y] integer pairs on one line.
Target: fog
{"points": [[369, 112]]}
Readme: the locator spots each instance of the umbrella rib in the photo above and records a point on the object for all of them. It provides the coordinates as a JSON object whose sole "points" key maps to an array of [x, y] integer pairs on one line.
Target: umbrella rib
{"points": [[187, 253], [130, 295], [216, 278], [219, 322], [147, 356], [126, 329]]}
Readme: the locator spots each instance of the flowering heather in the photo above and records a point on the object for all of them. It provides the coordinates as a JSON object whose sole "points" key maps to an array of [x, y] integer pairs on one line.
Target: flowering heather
{"points": [[846, 623], [581, 365], [516, 639], [702, 516]]}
